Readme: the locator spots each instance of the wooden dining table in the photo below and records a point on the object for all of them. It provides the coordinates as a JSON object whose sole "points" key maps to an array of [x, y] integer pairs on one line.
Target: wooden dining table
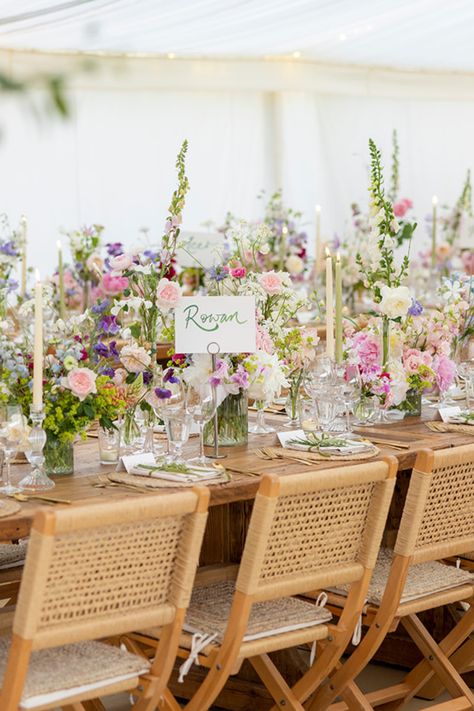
{"points": [[230, 509]]}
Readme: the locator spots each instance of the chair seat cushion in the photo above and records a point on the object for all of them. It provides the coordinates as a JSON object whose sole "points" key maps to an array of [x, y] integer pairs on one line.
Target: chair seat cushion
{"points": [[58, 673], [12, 554], [423, 579], [210, 606]]}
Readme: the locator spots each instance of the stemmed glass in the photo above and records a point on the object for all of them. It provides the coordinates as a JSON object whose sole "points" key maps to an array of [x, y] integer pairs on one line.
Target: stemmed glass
{"points": [[168, 400], [350, 385], [201, 404], [12, 433], [260, 426], [319, 376]]}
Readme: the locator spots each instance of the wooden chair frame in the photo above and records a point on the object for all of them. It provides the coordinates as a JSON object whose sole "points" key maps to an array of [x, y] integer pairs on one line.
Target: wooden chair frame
{"points": [[32, 629], [225, 659], [437, 671]]}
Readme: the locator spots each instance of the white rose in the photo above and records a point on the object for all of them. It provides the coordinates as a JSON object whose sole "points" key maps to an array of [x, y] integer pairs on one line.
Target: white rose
{"points": [[395, 301], [398, 382], [294, 264]]}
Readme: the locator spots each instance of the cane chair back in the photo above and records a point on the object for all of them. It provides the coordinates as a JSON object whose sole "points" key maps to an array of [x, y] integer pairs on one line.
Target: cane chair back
{"points": [[438, 518], [314, 530], [109, 568]]}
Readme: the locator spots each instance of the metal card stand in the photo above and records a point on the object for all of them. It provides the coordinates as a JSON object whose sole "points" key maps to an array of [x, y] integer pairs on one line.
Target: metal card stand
{"points": [[213, 349]]}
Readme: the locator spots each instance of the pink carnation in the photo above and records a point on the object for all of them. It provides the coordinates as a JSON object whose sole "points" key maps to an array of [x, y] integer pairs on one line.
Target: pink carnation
{"points": [[445, 372], [168, 294], [238, 272], [114, 284], [81, 382], [271, 282]]}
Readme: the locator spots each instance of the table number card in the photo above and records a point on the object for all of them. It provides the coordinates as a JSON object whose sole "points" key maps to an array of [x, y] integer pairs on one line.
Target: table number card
{"points": [[215, 324], [200, 249]]}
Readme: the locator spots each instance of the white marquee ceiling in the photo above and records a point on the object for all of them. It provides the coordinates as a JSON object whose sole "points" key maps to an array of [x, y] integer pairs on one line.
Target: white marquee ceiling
{"points": [[426, 34]]}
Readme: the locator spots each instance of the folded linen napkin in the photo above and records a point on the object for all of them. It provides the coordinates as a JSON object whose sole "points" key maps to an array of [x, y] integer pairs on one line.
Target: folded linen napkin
{"points": [[317, 441]]}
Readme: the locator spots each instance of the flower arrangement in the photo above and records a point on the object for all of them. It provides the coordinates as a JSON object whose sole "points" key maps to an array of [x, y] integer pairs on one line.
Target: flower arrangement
{"points": [[10, 251]]}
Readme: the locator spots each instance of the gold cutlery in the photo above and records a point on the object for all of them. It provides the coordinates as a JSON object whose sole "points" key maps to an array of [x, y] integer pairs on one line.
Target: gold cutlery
{"points": [[37, 497]]}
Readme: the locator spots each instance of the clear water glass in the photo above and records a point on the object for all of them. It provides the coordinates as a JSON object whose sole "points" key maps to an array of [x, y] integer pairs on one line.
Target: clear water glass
{"points": [[201, 405], [178, 428], [326, 408], [12, 434]]}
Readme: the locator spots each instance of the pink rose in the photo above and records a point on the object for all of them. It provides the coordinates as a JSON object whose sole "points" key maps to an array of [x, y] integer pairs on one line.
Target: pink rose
{"points": [[271, 282], [121, 263], [168, 294], [81, 382], [238, 272], [401, 207], [114, 284], [412, 360]]}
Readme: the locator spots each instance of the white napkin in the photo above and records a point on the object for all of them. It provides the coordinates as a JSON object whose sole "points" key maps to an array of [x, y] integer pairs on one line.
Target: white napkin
{"points": [[138, 464], [352, 446]]}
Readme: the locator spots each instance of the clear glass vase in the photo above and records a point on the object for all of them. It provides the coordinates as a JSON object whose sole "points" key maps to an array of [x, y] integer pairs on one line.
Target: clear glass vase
{"points": [[58, 456], [411, 406], [232, 422]]}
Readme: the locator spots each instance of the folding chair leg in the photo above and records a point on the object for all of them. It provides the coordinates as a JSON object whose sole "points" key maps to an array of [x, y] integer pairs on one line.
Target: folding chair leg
{"points": [[169, 703], [424, 673], [437, 659], [462, 659], [355, 699], [275, 683]]}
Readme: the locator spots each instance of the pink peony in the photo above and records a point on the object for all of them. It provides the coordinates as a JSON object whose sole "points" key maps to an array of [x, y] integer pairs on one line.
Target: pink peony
{"points": [[121, 263], [114, 284], [81, 382], [168, 294], [271, 282], [445, 372], [238, 272]]}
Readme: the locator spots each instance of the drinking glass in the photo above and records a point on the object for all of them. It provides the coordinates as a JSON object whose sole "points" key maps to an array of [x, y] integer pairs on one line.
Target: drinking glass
{"points": [[109, 446], [469, 383], [319, 376], [351, 385], [12, 433], [366, 410], [168, 398], [178, 427], [201, 404], [308, 416], [326, 408]]}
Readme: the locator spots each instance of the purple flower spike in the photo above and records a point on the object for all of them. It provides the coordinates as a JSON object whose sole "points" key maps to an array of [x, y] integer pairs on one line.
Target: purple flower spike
{"points": [[162, 393]]}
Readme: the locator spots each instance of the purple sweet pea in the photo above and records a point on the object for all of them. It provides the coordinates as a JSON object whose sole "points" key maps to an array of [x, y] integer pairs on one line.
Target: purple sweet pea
{"points": [[147, 377], [416, 309], [107, 371], [162, 393], [114, 249], [109, 325], [9, 249], [170, 377], [101, 350], [99, 308]]}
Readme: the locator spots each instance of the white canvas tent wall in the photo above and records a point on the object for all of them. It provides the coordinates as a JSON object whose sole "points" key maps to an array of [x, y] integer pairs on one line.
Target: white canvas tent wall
{"points": [[296, 122]]}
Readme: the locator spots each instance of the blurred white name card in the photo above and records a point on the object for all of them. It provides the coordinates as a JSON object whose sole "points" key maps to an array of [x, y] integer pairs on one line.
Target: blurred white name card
{"points": [[200, 249], [215, 324]]}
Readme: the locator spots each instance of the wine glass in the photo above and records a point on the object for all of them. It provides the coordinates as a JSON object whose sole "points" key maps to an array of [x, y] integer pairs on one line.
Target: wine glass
{"points": [[319, 376], [350, 385], [12, 433], [260, 426], [168, 400], [201, 404]]}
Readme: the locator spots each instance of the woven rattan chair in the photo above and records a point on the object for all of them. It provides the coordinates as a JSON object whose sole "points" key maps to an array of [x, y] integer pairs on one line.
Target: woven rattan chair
{"points": [[306, 531], [92, 572], [437, 522]]}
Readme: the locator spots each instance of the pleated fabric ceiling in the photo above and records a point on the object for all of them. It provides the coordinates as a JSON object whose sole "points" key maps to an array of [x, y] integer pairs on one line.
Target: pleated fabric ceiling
{"points": [[421, 34]]}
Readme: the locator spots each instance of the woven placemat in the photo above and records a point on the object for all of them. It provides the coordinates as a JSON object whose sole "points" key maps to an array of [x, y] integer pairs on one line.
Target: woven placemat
{"points": [[317, 457], [447, 427], [145, 482], [7, 507]]}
